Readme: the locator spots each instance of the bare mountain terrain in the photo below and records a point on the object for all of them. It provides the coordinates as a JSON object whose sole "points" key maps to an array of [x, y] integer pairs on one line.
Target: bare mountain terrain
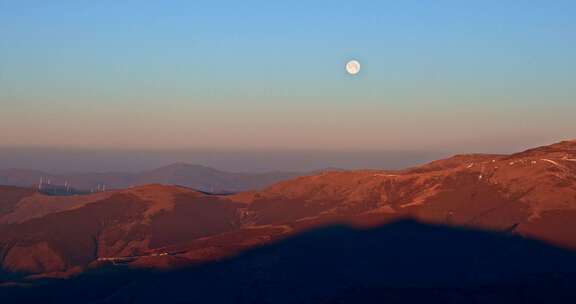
{"points": [[530, 194]]}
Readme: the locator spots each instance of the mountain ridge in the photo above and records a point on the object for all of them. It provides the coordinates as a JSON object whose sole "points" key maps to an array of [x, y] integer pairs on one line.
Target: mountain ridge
{"points": [[200, 177], [530, 194]]}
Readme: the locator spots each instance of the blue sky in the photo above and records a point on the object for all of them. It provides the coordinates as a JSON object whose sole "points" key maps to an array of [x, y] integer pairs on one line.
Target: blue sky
{"points": [[256, 74]]}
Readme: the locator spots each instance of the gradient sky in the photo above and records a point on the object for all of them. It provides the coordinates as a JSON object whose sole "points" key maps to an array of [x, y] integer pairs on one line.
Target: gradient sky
{"points": [[270, 74]]}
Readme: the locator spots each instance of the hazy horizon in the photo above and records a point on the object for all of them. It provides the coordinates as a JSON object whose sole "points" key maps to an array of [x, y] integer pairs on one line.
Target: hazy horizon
{"points": [[68, 159], [59, 160]]}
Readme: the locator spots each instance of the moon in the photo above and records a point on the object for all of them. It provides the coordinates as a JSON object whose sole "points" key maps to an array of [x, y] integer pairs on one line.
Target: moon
{"points": [[353, 67]]}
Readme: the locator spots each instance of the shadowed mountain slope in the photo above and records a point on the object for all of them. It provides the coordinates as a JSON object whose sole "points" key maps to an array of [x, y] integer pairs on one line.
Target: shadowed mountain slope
{"points": [[399, 262]]}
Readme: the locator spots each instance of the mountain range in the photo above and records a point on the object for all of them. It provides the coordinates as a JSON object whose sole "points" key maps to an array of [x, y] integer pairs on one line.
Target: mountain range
{"points": [[524, 196], [197, 177]]}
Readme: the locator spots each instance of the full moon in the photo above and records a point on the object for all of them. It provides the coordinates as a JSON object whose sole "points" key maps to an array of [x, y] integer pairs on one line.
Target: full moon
{"points": [[353, 67]]}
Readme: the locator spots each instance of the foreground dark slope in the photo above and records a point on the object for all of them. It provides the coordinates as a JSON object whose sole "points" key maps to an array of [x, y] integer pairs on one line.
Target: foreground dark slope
{"points": [[401, 262], [531, 194]]}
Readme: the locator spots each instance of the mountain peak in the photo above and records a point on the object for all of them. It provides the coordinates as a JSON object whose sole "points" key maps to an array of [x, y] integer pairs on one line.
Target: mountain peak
{"points": [[567, 147], [159, 188], [187, 168]]}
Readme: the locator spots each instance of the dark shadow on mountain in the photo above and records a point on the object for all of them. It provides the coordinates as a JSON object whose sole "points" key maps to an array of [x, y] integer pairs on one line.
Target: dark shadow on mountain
{"points": [[403, 262]]}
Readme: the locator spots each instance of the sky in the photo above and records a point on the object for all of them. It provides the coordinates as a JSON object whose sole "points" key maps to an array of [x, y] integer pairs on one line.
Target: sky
{"points": [[436, 75]]}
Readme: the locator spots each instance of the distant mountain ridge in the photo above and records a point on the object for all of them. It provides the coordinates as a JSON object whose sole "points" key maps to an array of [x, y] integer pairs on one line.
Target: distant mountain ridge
{"points": [[198, 177]]}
